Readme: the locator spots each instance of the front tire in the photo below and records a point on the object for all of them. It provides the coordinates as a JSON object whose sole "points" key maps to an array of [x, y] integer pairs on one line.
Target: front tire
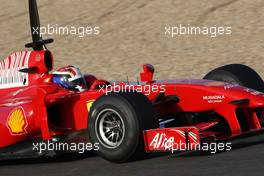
{"points": [[237, 74], [117, 121]]}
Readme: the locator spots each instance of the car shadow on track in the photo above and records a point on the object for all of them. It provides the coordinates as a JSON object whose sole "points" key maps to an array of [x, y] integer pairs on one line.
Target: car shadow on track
{"points": [[235, 145], [238, 144], [63, 158]]}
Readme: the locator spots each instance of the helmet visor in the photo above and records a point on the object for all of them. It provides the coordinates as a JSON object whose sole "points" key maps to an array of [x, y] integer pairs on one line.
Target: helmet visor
{"points": [[80, 82], [76, 84]]}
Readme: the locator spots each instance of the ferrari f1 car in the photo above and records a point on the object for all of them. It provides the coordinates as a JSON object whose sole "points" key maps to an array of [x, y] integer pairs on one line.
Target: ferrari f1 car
{"points": [[125, 119]]}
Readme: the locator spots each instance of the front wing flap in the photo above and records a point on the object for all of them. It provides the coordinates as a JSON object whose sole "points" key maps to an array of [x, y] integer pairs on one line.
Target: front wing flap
{"points": [[167, 139]]}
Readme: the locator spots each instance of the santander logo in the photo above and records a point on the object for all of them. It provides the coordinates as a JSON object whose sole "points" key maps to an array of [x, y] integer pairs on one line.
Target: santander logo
{"points": [[161, 141]]}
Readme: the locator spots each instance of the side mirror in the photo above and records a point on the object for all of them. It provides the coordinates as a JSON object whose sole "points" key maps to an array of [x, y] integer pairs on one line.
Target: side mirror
{"points": [[147, 74]]}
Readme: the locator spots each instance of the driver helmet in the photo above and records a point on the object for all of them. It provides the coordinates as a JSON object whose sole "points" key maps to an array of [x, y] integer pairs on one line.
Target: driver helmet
{"points": [[70, 77]]}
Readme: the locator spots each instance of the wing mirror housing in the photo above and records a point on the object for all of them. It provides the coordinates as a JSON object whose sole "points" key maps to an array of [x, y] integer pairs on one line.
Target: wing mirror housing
{"points": [[148, 73]]}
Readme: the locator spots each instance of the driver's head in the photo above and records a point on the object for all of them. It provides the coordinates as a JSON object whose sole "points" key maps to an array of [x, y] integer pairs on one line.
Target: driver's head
{"points": [[70, 78]]}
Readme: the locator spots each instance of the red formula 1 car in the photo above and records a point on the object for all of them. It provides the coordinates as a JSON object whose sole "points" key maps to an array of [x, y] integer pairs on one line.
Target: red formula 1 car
{"points": [[122, 120]]}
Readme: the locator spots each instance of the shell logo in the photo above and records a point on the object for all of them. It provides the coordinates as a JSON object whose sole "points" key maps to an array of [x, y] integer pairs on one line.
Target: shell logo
{"points": [[17, 122]]}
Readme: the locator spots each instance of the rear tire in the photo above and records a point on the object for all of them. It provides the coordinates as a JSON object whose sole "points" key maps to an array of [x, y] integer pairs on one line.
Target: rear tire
{"points": [[237, 74], [126, 115]]}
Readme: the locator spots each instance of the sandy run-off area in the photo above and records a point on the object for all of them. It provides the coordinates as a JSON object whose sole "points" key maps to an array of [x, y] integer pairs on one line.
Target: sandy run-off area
{"points": [[132, 32]]}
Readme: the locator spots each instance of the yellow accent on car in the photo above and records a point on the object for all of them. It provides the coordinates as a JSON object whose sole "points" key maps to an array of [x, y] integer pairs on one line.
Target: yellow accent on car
{"points": [[89, 105]]}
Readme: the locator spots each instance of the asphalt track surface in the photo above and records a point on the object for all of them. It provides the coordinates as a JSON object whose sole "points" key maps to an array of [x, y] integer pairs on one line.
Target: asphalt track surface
{"points": [[245, 158]]}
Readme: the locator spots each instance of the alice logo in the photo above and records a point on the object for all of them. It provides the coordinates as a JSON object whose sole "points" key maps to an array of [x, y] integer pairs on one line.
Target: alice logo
{"points": [[17, 122]]}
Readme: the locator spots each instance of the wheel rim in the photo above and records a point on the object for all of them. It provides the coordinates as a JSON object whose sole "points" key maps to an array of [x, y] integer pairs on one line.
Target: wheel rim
{"points": [[109, 128]]}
